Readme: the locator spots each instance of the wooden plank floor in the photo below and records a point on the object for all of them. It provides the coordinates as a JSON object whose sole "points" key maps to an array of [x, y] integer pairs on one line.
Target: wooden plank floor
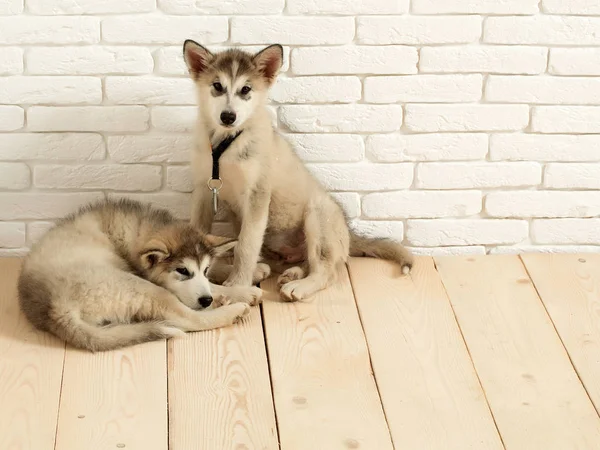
{"points": [[490, 352]]}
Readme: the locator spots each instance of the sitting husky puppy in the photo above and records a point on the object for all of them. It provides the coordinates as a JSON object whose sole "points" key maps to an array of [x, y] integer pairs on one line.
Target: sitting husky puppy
{"points": [[278, 207], [120, 273]]}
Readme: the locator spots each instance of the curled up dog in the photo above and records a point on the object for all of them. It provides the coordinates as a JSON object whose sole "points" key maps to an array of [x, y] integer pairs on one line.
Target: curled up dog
{"points": [[279, 209], [120, 273]]}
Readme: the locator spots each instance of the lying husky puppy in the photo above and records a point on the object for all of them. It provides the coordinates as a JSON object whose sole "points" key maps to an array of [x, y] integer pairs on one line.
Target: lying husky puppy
{"points": [[120, 273], [279, 208]]}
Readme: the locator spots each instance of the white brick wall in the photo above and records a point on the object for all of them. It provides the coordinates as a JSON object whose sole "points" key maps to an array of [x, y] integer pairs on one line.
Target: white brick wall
{"points": [[455, 126]]}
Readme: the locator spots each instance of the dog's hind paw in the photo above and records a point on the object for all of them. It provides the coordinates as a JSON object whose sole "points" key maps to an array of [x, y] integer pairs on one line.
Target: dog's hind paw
{"points": [[291, 274], [261, 272]]}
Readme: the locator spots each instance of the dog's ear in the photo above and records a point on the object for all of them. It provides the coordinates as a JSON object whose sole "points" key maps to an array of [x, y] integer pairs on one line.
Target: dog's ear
{"points": [[154, 252], [196, 57], [220, 246], [269, 61]]}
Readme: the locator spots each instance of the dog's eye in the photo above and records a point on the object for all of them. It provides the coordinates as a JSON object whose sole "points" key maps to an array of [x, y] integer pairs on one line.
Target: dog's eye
{"points": [[218, 86], [206, 271], [246, 90], [183, 271]]}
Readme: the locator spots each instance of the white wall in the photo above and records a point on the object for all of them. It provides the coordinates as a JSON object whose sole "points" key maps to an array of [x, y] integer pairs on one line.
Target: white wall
{"points": [[462, 125]]}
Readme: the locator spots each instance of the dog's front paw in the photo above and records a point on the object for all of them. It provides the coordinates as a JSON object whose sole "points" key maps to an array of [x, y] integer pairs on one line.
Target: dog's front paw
{"points": [[241, 310], [261, 272], [291, 274]]}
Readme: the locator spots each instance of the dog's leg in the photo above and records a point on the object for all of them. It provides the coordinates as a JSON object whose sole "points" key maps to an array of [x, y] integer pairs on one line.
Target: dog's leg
{"points": [[247, 251], [202, 213], [327, 247], [220, 270]]}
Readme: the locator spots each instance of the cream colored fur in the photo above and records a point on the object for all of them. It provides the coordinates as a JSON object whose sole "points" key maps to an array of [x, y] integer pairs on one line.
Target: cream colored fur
{"points": [[280, 210]]}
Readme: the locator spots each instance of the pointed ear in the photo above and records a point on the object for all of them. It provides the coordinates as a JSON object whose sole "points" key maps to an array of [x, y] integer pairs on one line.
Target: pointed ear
{"points": [[269, 61], [220, 246], [196, 57], [154, 252]]}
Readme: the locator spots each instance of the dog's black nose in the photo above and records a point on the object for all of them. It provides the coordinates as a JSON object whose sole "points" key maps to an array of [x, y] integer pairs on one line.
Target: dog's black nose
{"points": [[205, 301], [227, 117]]}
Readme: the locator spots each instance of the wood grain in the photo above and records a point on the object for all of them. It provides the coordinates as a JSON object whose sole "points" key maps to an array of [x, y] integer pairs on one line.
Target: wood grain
{"points": [[569, 286], [430, 392], [324, 390], [219, 389], [31, 364], [533, 391], [115, 399]]}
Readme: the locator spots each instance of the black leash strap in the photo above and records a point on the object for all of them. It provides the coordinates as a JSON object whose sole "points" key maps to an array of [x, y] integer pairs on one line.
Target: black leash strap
{"points": [[215, 183], [218, 152]]}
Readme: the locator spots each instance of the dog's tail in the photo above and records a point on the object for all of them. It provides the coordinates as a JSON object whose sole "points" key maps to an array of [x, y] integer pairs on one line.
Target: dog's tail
{"points": [[95, 338], [381, 248]]}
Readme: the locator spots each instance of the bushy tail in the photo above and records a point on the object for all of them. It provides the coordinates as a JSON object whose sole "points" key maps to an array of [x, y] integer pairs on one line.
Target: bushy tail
{"points": [[381, 248], [82, 334]]}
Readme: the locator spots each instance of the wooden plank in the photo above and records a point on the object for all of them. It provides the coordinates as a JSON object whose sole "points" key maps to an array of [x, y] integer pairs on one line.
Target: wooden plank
{"points": [[31, 364], [430, 392], [569, 286], [115, 399], [532, 388], [324, 390], [219, 390]]}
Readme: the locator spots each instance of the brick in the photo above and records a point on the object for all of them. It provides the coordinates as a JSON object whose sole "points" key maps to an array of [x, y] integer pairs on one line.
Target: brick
{"points": [[448, 251], [174, 118], [42, 205], [424, 89], [56, 90], [189, 7], [566, 119], [475, 6], [11, 7], [543, 204], [150, 91], [51, 146], [136, 177], [584, 7], [327, 147], [379, 229], [12, 61], [177, 203], [164, 29], [477, 175], [572, 176], [341, 118], [414, 204], [543, 89], [435, 233], [11, 118], [521, 249], [89, 60], [350, 202], [354, 60], [88, 118], [169, 60], [427, 147], [574, 61], [566, 231], [343, 7], [418, 30], [539, 147], [150, 148], [542, 29], [12, 235], [75, 7], [288, 30], [506, 59], [436, 118], [179, 178], [363, 176], [49, 30], [36, 230], [14, 176], [317, 90]]}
